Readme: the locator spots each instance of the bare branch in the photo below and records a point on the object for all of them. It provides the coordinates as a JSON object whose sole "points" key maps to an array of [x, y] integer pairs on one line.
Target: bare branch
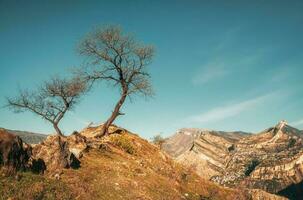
{"points": [[51, 100], [117, 58]]}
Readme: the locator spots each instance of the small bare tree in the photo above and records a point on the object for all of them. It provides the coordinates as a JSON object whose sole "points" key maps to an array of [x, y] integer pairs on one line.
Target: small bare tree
{"points": [[51, 101], [118, 59], [158, 140]]}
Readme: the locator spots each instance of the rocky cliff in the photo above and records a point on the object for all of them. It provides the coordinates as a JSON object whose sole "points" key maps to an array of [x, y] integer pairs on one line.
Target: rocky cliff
{"points": [[271, 160], [203, 150]]}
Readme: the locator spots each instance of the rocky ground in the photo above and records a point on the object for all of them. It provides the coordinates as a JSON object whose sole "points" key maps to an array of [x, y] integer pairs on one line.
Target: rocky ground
{"points": [[120, 166], [271, 160]]}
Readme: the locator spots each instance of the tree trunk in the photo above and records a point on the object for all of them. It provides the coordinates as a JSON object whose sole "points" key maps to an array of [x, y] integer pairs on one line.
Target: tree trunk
{"points": [[115, 113], [57, 129]]}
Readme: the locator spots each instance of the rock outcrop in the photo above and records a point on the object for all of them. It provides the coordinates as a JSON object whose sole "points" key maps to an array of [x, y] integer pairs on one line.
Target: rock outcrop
{"points": [[91, 131], [257, 194], [56, 153], [77, 144], [14, 154], [203, 150], [271, 160], [52, 155]]}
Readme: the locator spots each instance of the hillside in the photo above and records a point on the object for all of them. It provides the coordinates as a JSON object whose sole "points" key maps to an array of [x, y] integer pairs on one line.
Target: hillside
{"points": [[270, 160], [121, 166], [29, 137]]}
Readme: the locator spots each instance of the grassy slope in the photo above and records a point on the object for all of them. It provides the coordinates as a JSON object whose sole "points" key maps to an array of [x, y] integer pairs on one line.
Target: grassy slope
{"points": [[145, 174], [32, 186]]}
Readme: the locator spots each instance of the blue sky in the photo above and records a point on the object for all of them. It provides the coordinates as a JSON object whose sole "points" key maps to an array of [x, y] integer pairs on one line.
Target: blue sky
{"points": [[223, 65]]}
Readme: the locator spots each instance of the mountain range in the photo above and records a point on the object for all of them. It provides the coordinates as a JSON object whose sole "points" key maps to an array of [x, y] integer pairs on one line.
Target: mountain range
{"points": [[28, 137], [271, 160]]}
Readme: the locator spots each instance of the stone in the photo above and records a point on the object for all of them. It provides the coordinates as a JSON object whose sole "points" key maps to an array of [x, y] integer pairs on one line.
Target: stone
{"points": [[77, 144], [14, 154], [53, 155]]}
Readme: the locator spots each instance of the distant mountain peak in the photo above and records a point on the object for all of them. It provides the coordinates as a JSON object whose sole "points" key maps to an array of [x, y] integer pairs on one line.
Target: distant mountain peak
{"points": [[282, 128], [281, 124]]}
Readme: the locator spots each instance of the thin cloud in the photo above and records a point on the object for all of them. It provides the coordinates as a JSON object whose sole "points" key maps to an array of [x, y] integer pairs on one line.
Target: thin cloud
{"points": [[212, 72], [297, 123], [227, 39], [228, 111], [221, 66]]}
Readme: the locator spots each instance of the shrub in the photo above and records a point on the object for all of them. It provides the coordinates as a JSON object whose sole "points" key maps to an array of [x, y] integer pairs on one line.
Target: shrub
{"points": [[123, 142]]}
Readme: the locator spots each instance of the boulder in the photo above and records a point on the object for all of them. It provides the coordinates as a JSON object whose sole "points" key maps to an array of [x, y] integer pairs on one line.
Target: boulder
{"points": [[77, 144], [52, 155], [91, 131], [14, 154]]}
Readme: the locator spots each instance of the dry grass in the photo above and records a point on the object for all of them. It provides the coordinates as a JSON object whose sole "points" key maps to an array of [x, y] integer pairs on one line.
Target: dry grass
{"points": [[31, 186], [123, 142], [116, 174], [147, 174]]}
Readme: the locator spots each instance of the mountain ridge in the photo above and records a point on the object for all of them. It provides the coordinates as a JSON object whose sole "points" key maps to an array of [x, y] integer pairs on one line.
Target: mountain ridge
{"points": [[271, 160], [27, 136]]}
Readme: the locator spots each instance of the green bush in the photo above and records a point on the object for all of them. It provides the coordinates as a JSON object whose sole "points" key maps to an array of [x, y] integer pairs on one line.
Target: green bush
{"points": [[123, 142]]}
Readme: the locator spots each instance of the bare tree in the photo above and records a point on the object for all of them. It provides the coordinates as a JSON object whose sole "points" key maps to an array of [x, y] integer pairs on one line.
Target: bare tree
{"points": [[158, 140], [51, 100], [118, 59]]}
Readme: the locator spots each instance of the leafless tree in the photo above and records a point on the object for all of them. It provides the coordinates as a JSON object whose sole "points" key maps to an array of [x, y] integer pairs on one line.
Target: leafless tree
{"points": [[158, 140], [118, 59], [51, 100]]}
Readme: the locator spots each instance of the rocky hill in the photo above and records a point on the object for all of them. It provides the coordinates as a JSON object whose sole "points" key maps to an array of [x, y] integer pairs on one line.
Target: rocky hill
{"points": [[28, 137], [119, 166], [271, 160]]}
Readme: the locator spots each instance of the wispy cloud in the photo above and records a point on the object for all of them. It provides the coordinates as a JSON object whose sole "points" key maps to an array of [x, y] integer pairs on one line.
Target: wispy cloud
{"points": [[223, 112], [227, 38], [209, 73], [297, 123], [222, 66]]}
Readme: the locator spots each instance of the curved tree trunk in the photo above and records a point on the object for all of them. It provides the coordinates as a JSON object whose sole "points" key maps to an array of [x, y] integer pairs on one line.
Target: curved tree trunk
{"points": [[59, 117], [58, 131], [114, 115]]}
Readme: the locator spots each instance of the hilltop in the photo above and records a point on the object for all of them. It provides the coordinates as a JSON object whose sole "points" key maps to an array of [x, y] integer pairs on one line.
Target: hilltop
{"points": [[119, 166]]}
